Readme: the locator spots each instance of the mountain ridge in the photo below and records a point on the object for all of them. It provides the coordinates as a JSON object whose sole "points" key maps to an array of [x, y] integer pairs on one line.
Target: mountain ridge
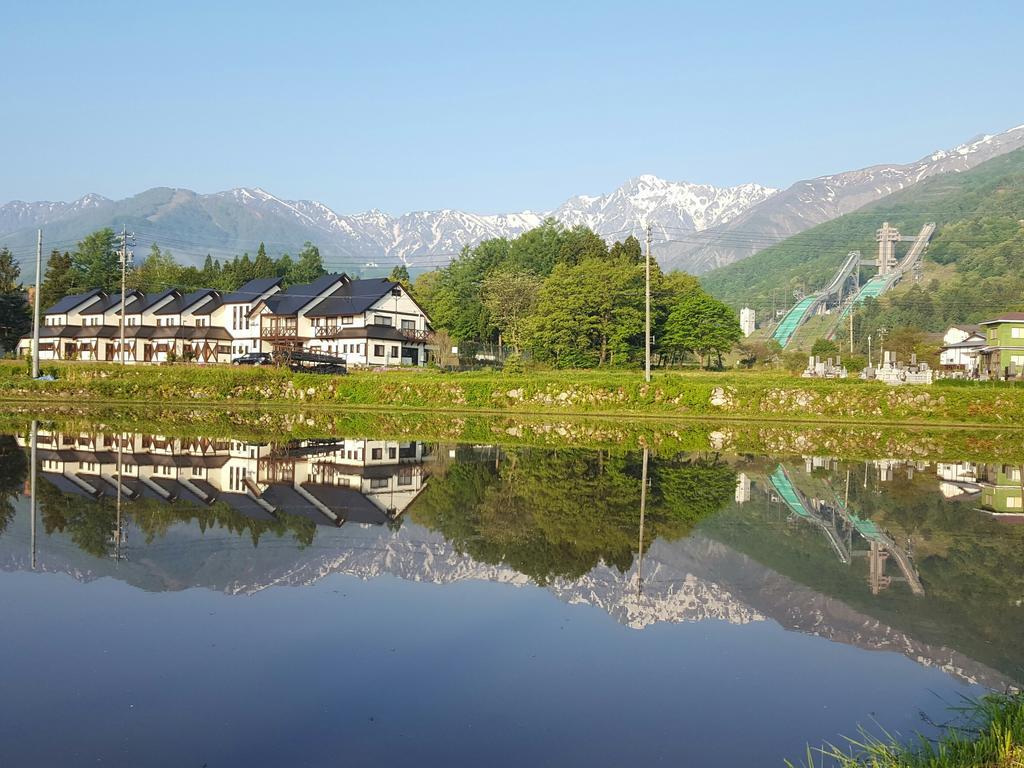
{"points": [[696, 227]]}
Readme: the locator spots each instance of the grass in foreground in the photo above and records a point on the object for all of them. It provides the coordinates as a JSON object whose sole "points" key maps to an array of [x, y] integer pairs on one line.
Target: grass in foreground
{"points": [[990, 734]]}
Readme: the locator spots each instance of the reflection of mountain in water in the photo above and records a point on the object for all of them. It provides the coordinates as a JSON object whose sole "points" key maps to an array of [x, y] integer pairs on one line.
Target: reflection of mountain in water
{"points": [[688, 580]]}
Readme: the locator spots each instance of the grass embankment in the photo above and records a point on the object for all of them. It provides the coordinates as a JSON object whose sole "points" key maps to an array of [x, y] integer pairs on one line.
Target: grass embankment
{"points": [[749, 395], [990, 736]]}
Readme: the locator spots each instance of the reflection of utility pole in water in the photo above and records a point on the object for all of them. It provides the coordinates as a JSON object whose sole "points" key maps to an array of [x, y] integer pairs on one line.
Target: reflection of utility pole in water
{"points": [[117, 529], [643, 511], [32, 490]]}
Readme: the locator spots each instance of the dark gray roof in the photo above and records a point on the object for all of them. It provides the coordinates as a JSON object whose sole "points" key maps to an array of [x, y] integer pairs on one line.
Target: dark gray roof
{"points": [[252, 290], [290, 301], [97, 331], [352, 298], [70, 302], [245, 505], [155, 298], [54, 331], [347, 503], [133, 300], [182, 303]]}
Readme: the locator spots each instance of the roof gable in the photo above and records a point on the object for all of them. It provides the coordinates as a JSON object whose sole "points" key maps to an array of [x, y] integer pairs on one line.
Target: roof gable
{"points": [[253, 290], [69, 303], [295, 298]]}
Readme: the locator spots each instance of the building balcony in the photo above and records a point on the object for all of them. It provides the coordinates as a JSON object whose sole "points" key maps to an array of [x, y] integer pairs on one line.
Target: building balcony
{"points": [[412, 334], [276, 331], [329, 331]]}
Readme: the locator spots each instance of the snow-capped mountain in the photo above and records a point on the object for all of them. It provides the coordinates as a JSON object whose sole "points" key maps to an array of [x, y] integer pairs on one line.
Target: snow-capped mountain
{"points": [[696, 227], [815, 201], [691, 580]]}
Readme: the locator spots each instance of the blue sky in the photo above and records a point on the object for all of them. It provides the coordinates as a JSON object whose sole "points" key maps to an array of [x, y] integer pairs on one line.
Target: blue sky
{"points": [[490, 106]]}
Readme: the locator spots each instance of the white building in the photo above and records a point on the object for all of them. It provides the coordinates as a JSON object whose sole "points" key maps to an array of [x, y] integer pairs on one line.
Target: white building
{"points": [[747, 323], [368, 322], [960, 350]]}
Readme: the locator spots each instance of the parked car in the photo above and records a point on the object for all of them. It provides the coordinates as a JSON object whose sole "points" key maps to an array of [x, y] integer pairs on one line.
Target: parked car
{"points": [[252, 358]]}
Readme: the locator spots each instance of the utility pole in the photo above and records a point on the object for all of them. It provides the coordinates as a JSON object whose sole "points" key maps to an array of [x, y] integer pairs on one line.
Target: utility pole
{"points": [[869, 351], [125, 255], [851, 331], [647, 309], [35, 309]]}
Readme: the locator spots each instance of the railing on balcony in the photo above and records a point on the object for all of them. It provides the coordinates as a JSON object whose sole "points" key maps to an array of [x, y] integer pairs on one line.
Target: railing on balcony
{"points": [[412, 334], [328, 331], [279, 330]]}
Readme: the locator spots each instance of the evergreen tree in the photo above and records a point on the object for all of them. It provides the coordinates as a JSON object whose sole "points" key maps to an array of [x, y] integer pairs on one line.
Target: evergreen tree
{"points": [[307, 267], [15, 319], [60, 279], [400, 274], [263, 266], [10, 272]]}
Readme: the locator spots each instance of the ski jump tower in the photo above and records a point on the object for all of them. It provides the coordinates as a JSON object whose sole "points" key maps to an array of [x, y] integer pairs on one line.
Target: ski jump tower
{"points": [[887, 237]]}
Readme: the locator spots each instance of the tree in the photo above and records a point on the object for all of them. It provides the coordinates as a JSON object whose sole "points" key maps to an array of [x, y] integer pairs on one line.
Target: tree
{"points": [[157, 272], [701, 324], [60, 279], [263, 266], [510, 298], [824, 348], [96, 261], [308, 266], [400, 274], [15, 320], [591, 313], [629, 250], [10, 272]]}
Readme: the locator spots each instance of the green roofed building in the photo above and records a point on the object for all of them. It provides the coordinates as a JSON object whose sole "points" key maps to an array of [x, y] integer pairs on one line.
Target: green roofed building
{"points": [[1002, 357]]}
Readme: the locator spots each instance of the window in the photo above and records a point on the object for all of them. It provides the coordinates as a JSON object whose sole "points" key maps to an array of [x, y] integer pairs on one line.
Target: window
{"points": [[378, 482], [378, 350], [1014, 502], [405, 477], [394, 351], [1017, 333], [382, 320], [408, 325], [392, 453], [200, 322], [346, 319], [376, 454], [1017, 360]]}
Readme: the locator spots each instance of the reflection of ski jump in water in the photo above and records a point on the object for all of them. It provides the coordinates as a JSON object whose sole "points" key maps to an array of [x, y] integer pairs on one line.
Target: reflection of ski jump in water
{"points": [[835, 519]]}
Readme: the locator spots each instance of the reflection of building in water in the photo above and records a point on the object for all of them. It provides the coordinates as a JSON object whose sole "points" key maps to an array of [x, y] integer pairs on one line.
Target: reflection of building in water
{"points": [[1002, 490], [957, 479], [742, 488], [327, 481], [812, 463]]}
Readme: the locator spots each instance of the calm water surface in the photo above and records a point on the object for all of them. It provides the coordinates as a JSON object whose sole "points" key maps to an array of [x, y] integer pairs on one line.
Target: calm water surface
{"points": [[201, 602]]}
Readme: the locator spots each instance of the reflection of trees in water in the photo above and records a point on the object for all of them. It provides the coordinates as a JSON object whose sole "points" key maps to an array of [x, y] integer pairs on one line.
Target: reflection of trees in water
{"points": [[90, 522], [560, 513], [13, 471]]}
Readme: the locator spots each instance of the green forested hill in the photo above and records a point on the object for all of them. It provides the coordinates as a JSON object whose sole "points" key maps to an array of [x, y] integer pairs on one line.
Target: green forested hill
{"points": [[980, 217]]}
